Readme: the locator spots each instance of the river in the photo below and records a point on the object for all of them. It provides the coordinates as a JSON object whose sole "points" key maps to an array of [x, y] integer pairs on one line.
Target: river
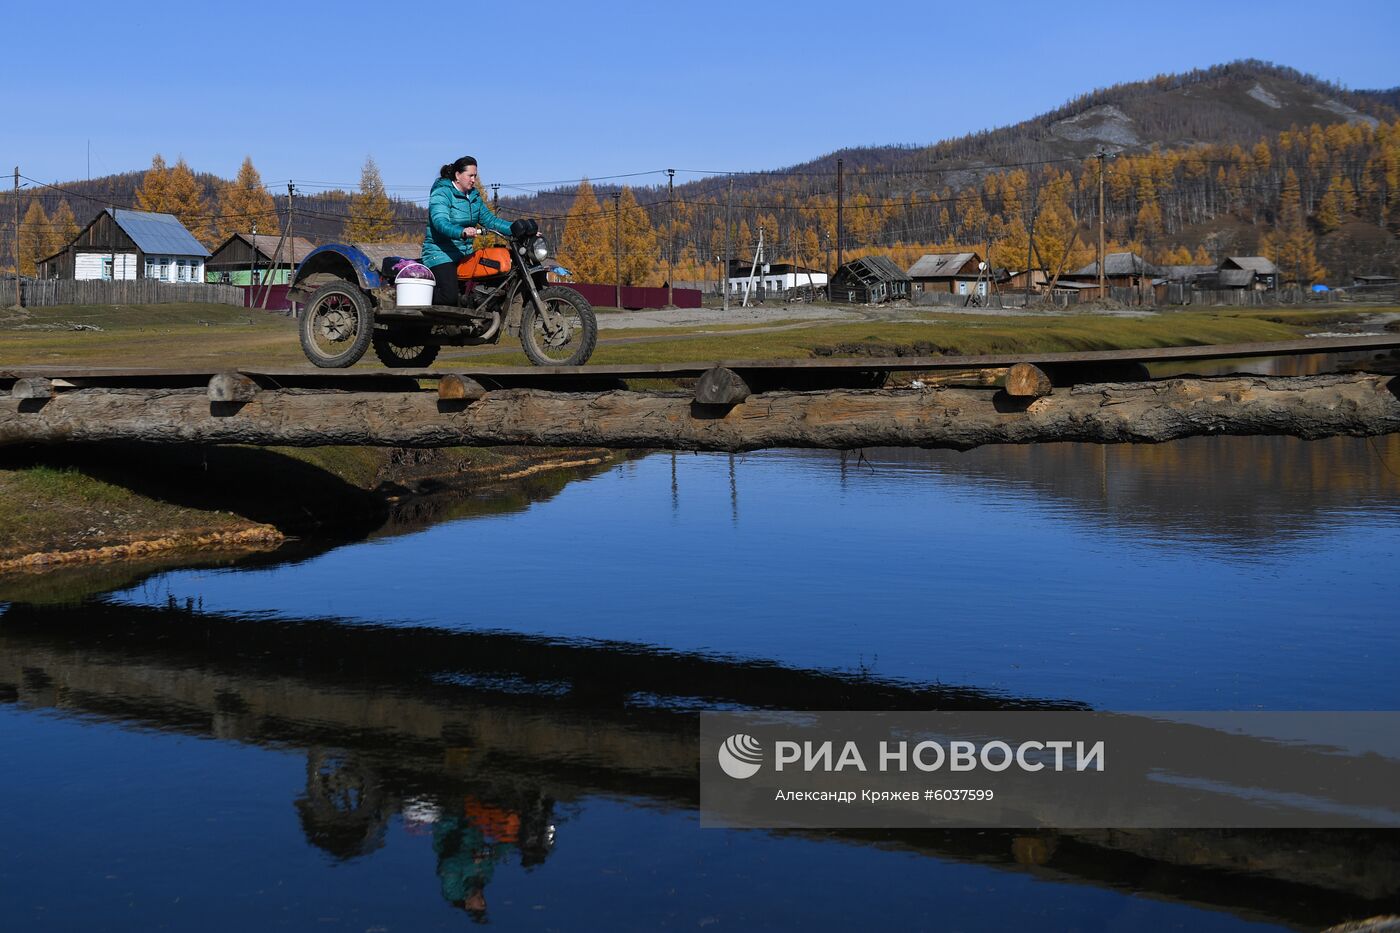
{"points": [[497, 714]]}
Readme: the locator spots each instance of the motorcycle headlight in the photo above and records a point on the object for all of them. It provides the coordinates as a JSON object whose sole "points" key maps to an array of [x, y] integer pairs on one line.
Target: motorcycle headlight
{"points": [[539, 249]]}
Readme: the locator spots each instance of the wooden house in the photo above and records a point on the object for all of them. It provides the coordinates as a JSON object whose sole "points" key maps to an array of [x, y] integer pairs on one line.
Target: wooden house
{"points": [[869, 280], [1121, 270], [123, 244], [1247, 272], [954, 273], [245, 255]]}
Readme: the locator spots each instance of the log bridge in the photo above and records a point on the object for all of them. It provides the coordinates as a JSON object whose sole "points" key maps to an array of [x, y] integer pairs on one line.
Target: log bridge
{"points": [[1097, 396]]}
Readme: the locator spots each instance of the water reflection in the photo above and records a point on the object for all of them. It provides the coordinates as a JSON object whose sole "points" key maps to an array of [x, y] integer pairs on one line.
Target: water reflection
{"points": [[489, 744]]}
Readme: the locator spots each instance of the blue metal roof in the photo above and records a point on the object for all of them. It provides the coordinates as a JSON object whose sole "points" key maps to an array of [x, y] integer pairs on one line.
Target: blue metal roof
{"points": [[161, 234]]}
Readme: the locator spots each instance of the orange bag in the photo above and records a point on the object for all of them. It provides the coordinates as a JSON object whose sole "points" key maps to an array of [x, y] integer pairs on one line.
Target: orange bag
{"points": [[494, 260]]}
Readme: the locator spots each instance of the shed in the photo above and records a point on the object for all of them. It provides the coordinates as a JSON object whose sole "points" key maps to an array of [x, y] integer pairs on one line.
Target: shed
{"points": [[238, 257], [125, 244], [870, 280]]}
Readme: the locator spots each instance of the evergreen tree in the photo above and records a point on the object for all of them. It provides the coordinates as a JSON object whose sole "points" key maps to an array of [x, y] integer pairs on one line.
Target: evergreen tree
{"points": [[371, 215]]}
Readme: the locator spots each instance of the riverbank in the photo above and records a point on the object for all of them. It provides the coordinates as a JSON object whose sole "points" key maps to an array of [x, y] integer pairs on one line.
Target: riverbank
{"points": [[67, 508]]}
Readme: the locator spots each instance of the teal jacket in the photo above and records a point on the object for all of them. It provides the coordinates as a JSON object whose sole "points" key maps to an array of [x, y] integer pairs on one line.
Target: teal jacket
{"points": [[449, 210]]}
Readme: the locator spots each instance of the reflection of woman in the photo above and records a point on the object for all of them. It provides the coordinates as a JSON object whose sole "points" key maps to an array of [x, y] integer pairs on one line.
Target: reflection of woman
{"points": [[467, 859], [456, 216]]}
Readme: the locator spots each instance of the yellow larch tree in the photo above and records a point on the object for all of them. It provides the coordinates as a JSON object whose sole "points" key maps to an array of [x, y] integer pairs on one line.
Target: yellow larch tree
{"points": [[640, 255], [580, 248], [33, 237], [371, 217], [154, 193], [186, 201], [244, 203]]}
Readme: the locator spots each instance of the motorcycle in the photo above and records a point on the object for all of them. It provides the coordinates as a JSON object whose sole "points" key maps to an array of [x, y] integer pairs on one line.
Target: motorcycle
{"points": [[351, 304]]}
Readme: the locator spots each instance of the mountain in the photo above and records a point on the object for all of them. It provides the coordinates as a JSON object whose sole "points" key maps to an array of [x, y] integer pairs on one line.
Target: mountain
{"points": [[1179, 182]]}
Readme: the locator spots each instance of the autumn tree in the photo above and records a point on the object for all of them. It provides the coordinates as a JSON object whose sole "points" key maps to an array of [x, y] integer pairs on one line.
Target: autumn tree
{"points": [[371, 215], [639, 248], [63, 228], [33, 232], [580, 249], [245, 205], [185, 199], [1293, 246], [154, 193]]}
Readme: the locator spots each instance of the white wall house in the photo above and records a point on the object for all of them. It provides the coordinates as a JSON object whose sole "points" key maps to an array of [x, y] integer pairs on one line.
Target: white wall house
{"points": [[124, 244], [779, 278], [105, 266]]}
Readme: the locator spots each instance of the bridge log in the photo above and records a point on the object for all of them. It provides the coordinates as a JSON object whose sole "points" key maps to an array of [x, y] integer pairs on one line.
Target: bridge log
{"points": [[957, 418]]}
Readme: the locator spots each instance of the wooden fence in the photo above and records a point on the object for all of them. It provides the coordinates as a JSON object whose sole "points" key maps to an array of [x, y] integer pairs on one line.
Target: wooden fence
{"points": [[46, 293]]}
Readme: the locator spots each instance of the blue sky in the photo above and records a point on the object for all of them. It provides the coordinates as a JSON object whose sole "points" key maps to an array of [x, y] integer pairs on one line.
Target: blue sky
{"points": [[310, 89]]}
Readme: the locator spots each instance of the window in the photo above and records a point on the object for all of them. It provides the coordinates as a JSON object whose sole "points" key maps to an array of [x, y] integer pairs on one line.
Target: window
{"points": [[107, 269]]}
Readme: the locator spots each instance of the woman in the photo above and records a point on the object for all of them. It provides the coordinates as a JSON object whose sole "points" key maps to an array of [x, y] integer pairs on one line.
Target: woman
{"points": [[456, 216]]}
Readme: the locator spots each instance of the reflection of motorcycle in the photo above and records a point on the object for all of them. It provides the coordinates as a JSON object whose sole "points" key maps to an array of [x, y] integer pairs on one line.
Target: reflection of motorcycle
{"points": [[351, 305]]}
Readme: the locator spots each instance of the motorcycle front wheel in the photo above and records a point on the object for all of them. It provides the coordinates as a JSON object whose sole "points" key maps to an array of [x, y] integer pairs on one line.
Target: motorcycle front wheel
{"points": [[565, 334]]}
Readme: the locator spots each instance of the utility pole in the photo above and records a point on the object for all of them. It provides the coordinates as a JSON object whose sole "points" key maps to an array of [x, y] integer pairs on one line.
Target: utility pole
{"points": [[1101, 253], [617, 206], [291, 241], [670, 234], [840, 212], [16, 197], [495, 196], [728, 207]]}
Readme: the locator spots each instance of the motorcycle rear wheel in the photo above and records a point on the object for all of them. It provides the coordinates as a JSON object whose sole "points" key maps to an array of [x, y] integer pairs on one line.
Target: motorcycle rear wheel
{"points": [[566, 338], [335, 326]]}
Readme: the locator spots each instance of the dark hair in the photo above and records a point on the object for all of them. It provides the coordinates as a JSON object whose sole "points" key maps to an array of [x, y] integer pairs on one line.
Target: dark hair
{"points": [[450, 170]]}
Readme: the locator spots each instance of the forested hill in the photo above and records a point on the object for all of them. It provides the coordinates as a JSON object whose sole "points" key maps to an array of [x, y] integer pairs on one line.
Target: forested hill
{"points": [[1218, 159], [1237, 103]]}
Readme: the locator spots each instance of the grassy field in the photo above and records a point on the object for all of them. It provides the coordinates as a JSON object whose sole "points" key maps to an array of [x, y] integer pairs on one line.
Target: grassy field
{"points": [[206, 335]]}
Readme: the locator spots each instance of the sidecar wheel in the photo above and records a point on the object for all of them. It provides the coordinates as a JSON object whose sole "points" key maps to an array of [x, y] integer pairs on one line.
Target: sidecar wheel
{"points": [[397, 350], [570, 345], [336, 326]]}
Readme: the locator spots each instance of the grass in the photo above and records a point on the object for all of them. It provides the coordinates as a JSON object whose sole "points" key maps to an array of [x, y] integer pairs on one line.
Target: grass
{"points": [[46, 508], [965, 335], [206, 335], [168, 335]]}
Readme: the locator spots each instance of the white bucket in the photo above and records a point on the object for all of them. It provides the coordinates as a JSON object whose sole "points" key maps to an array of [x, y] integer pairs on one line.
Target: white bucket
{"points": [[413, 293]]}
